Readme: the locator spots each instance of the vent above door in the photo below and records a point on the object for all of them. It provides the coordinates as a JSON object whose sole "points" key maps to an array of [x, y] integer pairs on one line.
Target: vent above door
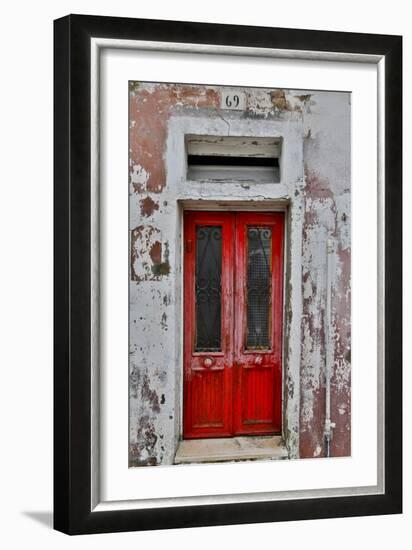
{"points": [[233, 158]]}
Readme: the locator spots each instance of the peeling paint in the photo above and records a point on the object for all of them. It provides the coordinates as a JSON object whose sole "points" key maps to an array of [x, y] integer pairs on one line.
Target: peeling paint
{"points": [[304, 98], [149, 257], [138, 178], [150, 109], [160, 267], [279, 100], [148, 206]]}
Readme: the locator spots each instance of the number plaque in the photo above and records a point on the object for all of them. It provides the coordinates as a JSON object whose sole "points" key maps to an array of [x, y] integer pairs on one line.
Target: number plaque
{"points": [[233, 100]]}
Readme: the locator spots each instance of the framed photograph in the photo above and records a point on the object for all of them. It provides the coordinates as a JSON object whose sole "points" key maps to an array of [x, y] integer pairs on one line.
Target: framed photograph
{"points": [[228, 236]]}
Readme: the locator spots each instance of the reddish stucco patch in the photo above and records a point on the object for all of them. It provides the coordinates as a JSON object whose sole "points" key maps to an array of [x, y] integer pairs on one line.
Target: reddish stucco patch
{"points": [[156, 252], [340, 402], [148, 206], [311, 442], [149, 112], [316, 188]]}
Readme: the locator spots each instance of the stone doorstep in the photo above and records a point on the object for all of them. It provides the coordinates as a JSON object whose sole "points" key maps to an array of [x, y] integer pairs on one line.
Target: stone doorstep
{"points": [[233, 448]]}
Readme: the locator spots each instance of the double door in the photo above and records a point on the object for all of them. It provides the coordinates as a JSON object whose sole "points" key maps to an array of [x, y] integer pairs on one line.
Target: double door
{"points": [[233, 283]]}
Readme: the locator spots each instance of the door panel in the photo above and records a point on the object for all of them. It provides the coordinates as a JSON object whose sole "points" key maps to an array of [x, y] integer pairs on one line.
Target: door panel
{"points": [[258, 323], [208, 324], [232, 323], [257, 396]]}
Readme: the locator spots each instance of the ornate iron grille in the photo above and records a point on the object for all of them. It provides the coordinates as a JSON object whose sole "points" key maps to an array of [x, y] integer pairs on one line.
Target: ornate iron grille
{"points": [[259, 241], [208, 284]]}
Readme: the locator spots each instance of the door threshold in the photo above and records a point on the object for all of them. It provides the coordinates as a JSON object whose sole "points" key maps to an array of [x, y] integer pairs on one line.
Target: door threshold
{"points": [[192, 451]]}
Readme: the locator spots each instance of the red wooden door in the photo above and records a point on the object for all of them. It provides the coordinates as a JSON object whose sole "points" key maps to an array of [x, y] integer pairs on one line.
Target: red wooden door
{"points": [[233, 281]]}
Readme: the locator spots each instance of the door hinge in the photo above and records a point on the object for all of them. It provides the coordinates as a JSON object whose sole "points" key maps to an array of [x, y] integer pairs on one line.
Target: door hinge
{"points": [[188, 246]]}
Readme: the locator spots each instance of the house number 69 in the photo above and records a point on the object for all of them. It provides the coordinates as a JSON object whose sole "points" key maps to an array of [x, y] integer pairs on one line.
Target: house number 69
{"points": [[233, 100]]}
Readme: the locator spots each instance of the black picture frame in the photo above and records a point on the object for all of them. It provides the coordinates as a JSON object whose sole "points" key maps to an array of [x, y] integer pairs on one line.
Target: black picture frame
{"points": [[72, 279]]}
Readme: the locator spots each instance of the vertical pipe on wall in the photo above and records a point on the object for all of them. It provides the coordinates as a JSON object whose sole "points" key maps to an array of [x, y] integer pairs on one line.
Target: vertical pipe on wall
{"points": [[329, 347]]}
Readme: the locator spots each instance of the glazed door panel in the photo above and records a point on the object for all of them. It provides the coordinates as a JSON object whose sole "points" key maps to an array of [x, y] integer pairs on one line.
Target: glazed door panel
{"points": [[258, 323], [208, 324], [232, 323]]}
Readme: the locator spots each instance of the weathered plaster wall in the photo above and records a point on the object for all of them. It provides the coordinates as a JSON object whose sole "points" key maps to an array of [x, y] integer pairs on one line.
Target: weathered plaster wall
{"points": [[327, 213], [315, 183]]}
